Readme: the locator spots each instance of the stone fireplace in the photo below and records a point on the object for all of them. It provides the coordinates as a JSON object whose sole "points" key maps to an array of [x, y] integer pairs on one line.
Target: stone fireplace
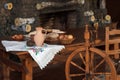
{"points": [[59, 20], [60, 15], [69, 14]]}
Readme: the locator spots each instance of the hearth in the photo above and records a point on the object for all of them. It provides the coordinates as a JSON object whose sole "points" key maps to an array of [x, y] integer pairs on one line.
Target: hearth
{"points": [[70, 14], [59, 20]]}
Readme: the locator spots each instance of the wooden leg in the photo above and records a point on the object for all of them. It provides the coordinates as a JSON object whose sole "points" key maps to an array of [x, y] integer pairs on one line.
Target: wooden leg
{"points": [[6, 73], [118, 77], [116, 46], [1, 76], [28, 64], [5, 68], [107, 77]]}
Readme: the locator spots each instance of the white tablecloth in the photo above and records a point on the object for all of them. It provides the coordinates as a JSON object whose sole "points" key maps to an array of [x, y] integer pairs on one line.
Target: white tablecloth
{"points": [[42, 55]]}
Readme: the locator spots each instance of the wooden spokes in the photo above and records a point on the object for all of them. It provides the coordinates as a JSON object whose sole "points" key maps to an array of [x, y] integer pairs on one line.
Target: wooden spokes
{"points": [[90, 65]]}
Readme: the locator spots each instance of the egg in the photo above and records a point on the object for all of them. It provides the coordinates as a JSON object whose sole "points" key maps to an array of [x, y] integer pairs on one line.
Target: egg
{"points": [[70, 36], [61, 37]]}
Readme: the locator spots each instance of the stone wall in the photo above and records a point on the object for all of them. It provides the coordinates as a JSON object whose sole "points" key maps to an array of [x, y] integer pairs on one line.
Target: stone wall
{"points": [[61, 14], [4, 19]]}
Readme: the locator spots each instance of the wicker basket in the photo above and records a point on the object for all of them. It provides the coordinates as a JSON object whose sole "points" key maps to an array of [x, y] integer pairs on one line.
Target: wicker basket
{"points": [[51, 41], [66, 41]]}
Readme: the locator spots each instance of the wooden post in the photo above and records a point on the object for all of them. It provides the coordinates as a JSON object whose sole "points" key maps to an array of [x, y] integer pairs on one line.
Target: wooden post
{"points": [[6, 69], [28, 64], [6, 72], [116, 47]]}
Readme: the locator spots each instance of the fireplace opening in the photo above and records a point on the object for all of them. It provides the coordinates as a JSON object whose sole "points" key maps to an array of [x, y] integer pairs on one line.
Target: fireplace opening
{"points": [[58, 20]]}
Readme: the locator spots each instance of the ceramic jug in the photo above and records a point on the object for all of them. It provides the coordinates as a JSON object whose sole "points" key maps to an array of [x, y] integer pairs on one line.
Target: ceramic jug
{"points": [[39, 37]]}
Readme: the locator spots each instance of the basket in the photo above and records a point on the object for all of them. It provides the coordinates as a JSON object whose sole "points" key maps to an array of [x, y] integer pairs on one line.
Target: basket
{"points": [[66, 41], [51, 41]]}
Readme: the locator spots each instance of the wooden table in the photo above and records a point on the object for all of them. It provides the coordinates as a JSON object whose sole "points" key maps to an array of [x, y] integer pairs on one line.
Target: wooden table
{"points": [[26, 63], [25, 66]]}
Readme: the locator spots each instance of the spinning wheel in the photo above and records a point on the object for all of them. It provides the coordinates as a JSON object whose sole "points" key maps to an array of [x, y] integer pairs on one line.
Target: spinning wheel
{"points": [[89, 63]]}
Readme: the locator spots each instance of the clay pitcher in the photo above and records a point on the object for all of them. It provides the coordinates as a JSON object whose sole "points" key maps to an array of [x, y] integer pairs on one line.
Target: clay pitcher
{"points": [[39, 37]]}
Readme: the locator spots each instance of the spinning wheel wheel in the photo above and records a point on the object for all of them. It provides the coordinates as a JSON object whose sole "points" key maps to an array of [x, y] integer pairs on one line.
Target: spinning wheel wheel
{"points": [[90, 65]]}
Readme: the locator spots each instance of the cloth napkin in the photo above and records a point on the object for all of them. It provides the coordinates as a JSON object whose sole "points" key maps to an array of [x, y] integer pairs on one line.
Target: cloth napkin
{"points": [[42, 55], [14, 45]]}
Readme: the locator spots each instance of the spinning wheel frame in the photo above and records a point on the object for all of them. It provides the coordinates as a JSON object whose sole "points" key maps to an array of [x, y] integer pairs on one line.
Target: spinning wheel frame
{"points": [[89, 73]]}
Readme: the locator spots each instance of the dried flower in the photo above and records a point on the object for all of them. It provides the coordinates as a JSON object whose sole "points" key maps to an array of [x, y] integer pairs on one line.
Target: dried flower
{"points": [[108, 17]]}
